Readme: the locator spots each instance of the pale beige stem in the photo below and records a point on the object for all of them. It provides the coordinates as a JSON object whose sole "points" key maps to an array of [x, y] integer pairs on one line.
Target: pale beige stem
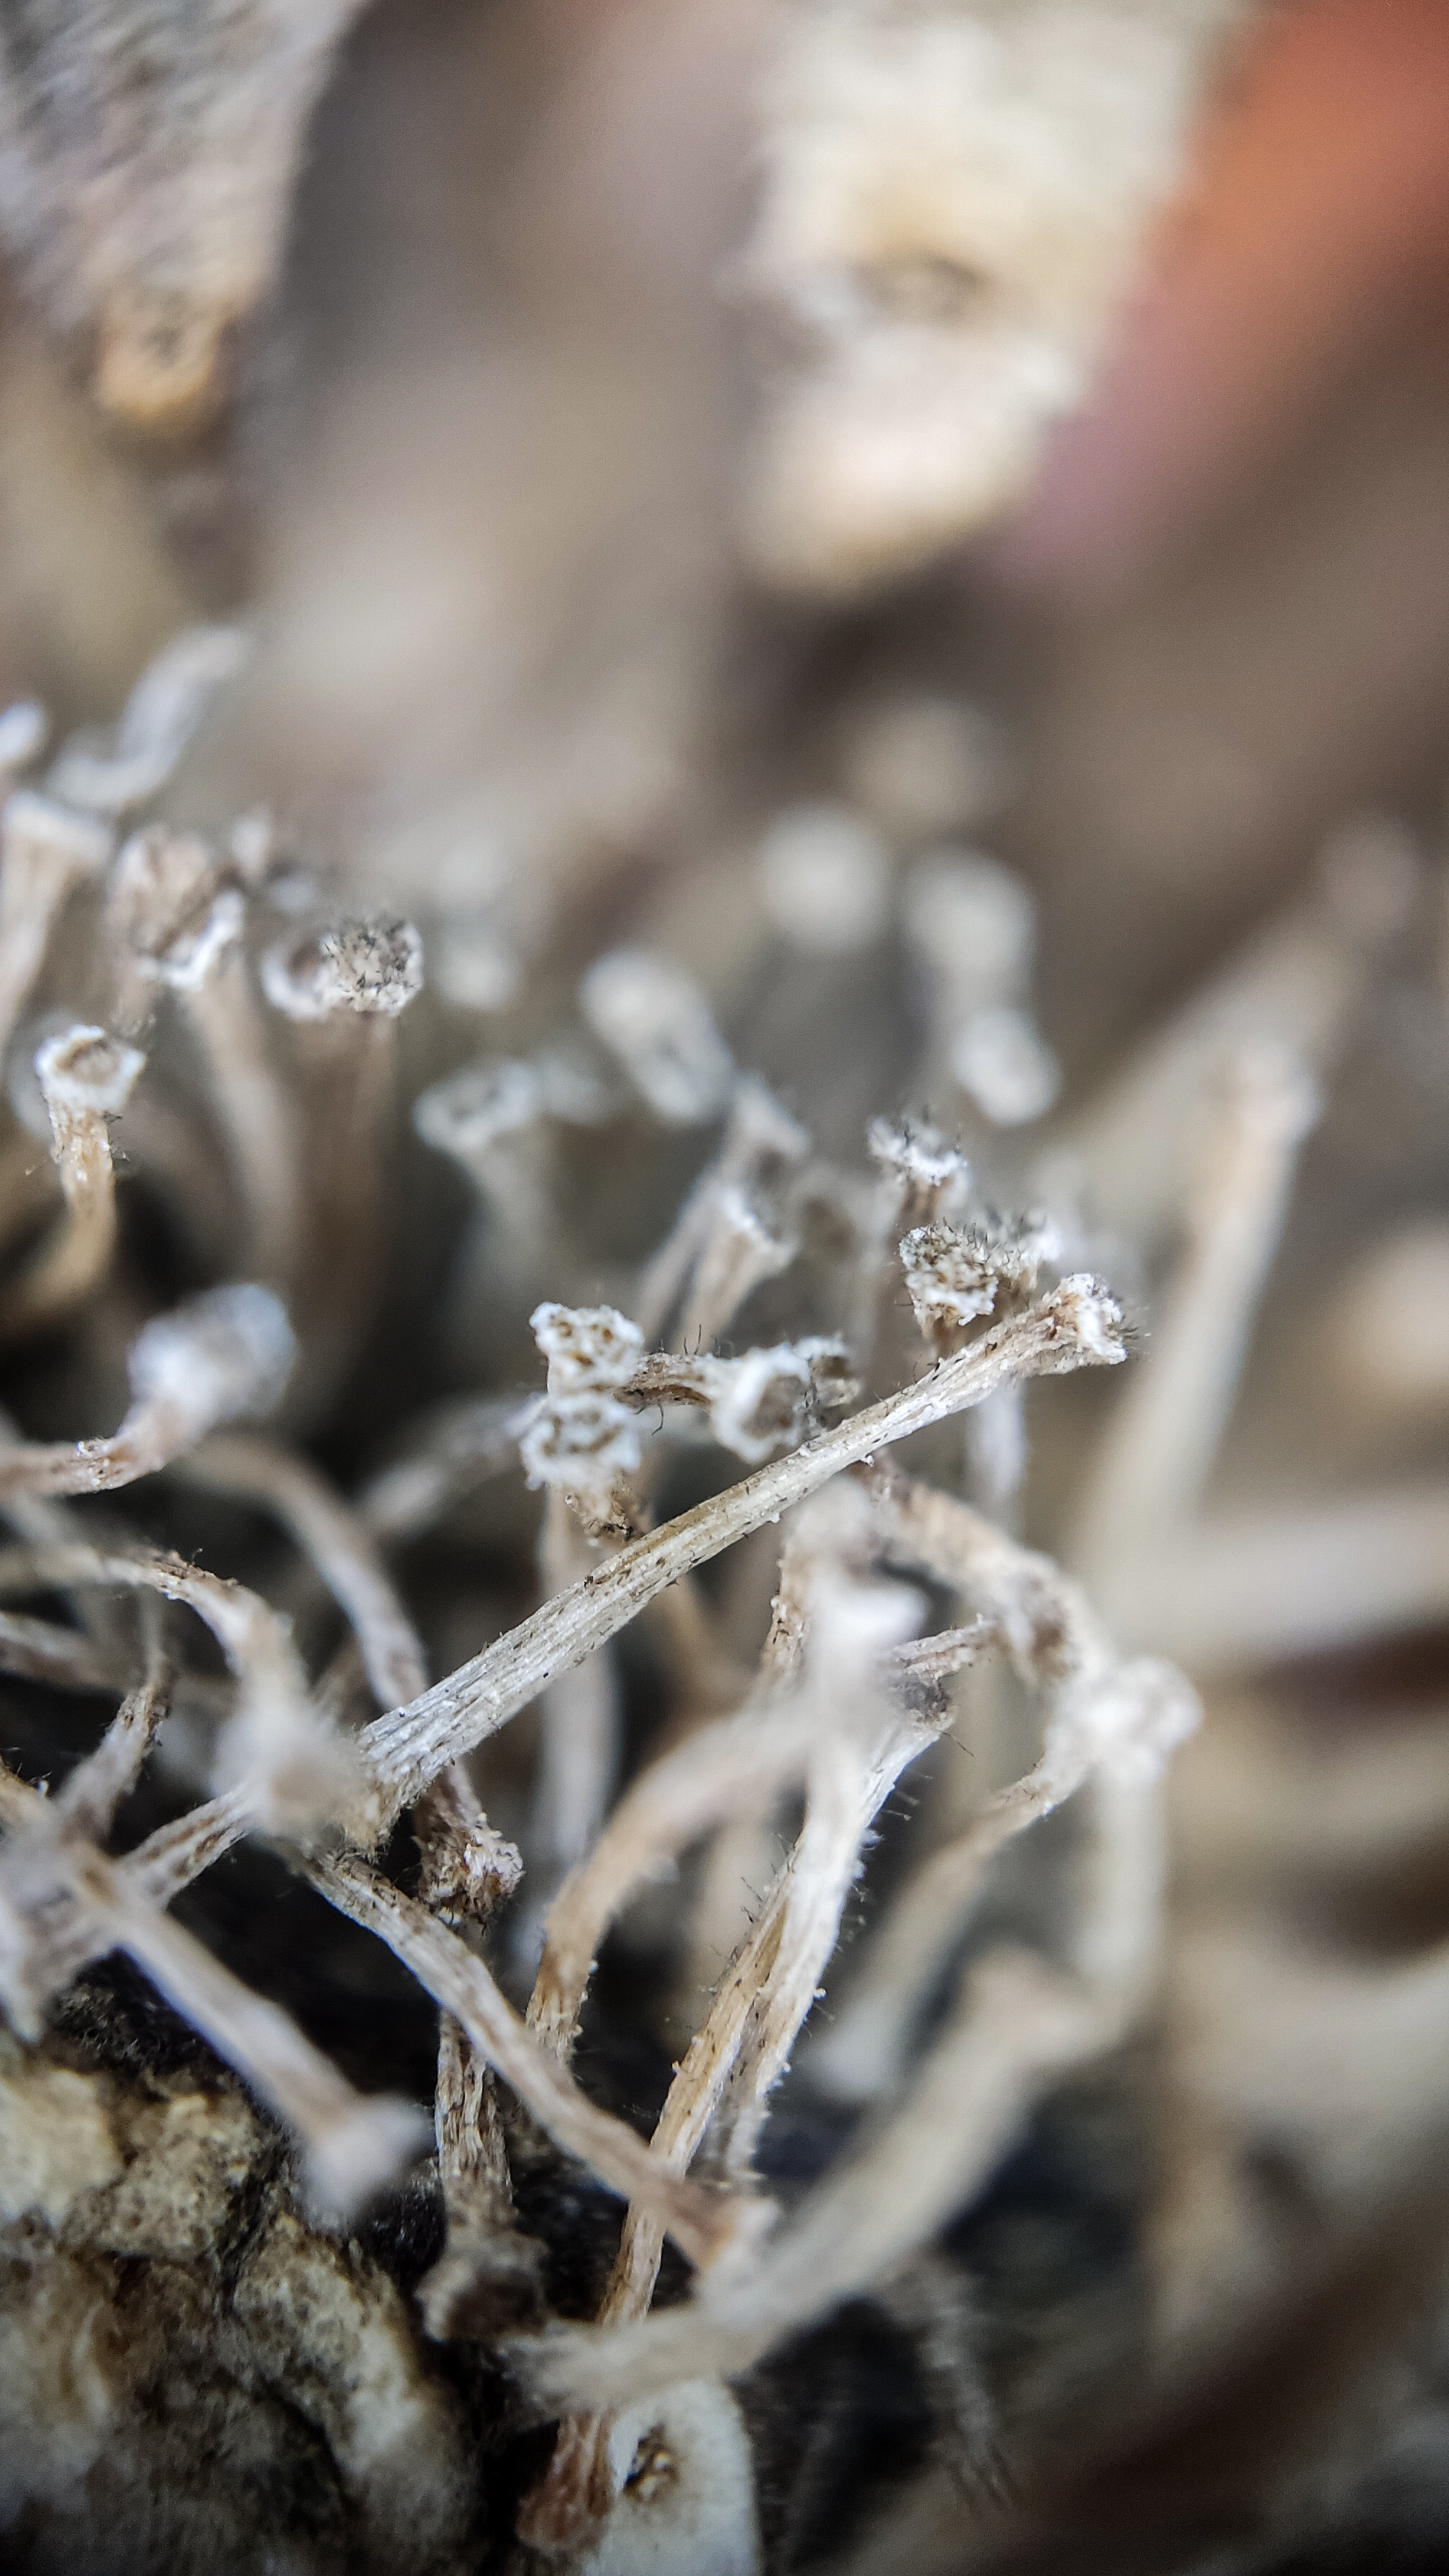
{"points": [[1076, 1326], [1019, 2025], [353, 2145], [701, 2222], [86, 1079], [224, 1353], [45, 850], [335, 1537]]}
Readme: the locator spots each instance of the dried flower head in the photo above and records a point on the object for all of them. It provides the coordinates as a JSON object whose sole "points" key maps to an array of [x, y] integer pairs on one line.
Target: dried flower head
{"points": [[169, 908]]}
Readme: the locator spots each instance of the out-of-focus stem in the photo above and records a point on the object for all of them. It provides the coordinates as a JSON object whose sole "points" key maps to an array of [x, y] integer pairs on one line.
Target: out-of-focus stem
{"points": [[86, 1078]]}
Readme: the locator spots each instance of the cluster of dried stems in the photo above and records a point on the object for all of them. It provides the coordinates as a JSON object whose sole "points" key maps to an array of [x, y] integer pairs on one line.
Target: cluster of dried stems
{"points": [[289, 1017]]}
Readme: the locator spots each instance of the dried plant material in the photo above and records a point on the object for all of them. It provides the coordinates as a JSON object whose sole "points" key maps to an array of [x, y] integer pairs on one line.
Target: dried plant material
{"points": [[338, 1543], [824, 880], [179, 924], [588, 1447], [1152, 1469], [761, 1142], [24, 731], [1295, 986], [353, 2146], [701, 2222], [86, 1079], [45, 850], [736, 1767], [739, 1255], [1017, 2027], [655, 1020], [96, 1787], [1125, 1717], [160, 716], [145, 196], [222, 1354], [1076, 1326], [488, 1118], [955, 1276], [954, 196], [459, 1447], [343, 988], [999, 1057]]}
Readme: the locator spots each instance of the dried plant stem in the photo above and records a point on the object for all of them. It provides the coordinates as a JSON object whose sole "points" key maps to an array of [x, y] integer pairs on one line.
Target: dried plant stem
{"points": [[85, 1078], [1154, 1462], [1296, 984], [759, 1134], [222, 1354], [45, 850], [1247, 1588], [735, 2057], [337, 1540], [701, 2222], [1092, 1698], [42, 1651], [458, 1448], [1019, 2025], [1076, 1326], [95, 1788], [254, 1111], [353, 2145], [736, 1767], [579, 1732]]}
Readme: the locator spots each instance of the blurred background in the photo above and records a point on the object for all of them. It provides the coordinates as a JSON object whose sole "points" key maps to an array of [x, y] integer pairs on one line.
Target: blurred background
{"points": [[1000, 426]]}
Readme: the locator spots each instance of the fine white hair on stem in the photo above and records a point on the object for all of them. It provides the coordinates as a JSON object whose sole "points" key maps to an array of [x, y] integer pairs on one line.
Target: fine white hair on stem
{"points": [[1152, 1466], [337, 1540], [1077, 1326], [224, 1353], [353, 2145], [1125, 1717], [736, 1767], [1019, 2025], [86, 1079], [740, 2048], [45, 850], [702, 2222]]}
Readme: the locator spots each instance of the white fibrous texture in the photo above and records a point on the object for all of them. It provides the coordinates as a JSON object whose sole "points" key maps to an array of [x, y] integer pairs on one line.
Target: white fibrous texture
{"points": [[954, 200]]}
